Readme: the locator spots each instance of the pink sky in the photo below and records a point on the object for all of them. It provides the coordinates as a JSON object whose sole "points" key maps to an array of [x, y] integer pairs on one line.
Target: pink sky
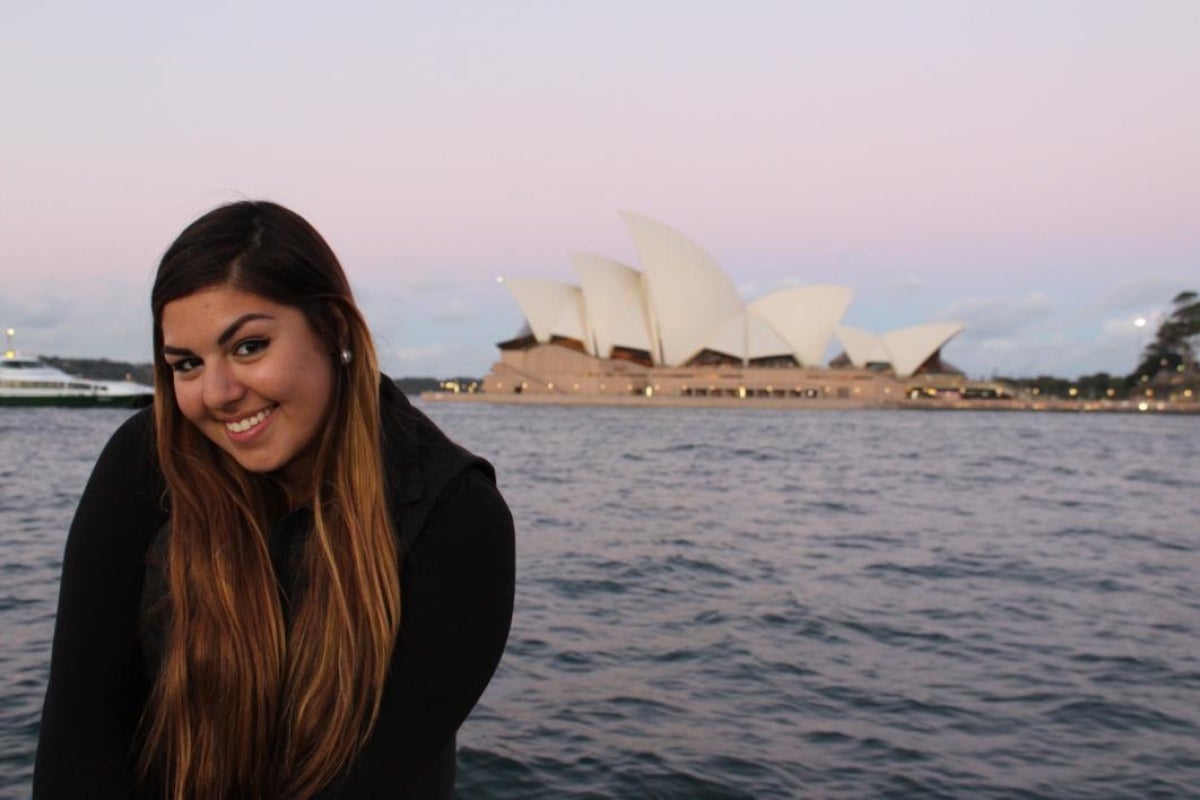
{"points": [[1028, 168]]}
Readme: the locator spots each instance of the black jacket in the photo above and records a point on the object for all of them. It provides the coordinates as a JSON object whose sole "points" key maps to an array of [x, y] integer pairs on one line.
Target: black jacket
{"points": [[457, 574]]}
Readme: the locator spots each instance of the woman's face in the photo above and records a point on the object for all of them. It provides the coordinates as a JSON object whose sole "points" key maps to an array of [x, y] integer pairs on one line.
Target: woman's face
{"points": [[252, 376]]}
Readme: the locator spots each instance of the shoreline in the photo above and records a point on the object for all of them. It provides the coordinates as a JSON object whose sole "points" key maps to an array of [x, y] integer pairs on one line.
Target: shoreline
{"points": [[1054, 405]]}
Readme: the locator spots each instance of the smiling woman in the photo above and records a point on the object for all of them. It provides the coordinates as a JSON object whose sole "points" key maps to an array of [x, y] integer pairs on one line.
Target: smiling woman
{"points": [[283, 581]]}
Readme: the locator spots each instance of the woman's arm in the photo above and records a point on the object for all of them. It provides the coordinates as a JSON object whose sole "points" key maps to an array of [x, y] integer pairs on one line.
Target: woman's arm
{"points": [[97, 680], [457, 602]]}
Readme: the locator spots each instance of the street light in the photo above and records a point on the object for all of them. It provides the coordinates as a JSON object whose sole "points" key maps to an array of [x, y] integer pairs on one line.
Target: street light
{"points": [[1138, 323]]}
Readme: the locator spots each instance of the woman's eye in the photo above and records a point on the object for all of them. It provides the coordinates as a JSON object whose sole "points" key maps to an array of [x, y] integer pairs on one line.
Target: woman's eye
{"points": [[184, 365], [250, 346]]}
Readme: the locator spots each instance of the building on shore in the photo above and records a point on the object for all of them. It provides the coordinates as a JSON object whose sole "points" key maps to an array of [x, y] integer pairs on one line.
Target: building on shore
{"points": [[679, 328]]}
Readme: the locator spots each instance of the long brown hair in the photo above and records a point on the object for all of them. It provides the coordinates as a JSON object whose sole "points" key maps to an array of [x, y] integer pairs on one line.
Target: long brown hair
{"points": [[247, 703]]}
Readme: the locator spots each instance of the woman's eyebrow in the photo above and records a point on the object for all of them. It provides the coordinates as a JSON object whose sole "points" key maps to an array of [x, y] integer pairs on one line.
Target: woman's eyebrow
{"points": [[239, 322], [225, 336]]}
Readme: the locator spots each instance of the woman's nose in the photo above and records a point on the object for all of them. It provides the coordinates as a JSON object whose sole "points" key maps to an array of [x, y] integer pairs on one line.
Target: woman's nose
{"points": [[221, 386]]}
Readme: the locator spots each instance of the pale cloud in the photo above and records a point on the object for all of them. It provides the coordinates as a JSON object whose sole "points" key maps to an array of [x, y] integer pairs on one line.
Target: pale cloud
{"points": [[987, 316], [426, 284], [1140, 295], [454, 311], [1125, 329], [1052, 346], [417, 353], [907, 286], [999, 345], [1035, 334], [32, 313], [96, 320]]}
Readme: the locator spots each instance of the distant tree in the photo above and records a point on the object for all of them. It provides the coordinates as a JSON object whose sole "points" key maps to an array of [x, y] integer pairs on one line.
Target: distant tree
{"points": [[101, 369], [1101, 385], [1174, 346]]}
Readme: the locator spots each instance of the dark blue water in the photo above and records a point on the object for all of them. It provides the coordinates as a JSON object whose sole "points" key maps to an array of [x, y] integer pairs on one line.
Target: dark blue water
{"points": [[734, 604]]}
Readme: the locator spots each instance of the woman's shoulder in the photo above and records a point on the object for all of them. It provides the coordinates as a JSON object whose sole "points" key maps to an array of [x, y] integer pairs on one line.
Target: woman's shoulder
{"points": [[138, 430], [132, 444], [128, 465], [417, 449], [422, 463]]}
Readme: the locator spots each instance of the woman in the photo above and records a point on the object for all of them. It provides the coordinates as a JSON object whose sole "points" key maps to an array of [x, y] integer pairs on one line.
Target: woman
{"points": [[282, 581]]}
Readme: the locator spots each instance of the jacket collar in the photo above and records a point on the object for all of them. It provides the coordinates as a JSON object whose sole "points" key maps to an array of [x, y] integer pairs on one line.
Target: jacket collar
{"points": [[400, 423]]}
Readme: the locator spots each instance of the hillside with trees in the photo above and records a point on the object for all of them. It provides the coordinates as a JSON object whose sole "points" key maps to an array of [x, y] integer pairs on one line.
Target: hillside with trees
{"points": [[1172, 352]]}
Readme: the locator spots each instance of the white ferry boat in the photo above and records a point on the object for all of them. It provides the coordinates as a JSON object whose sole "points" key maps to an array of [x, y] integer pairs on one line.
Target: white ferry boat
{"points": [[29, 382]]}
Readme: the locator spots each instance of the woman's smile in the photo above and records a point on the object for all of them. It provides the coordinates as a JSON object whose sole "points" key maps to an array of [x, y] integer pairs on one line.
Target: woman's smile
{"points": [[248, 425]]}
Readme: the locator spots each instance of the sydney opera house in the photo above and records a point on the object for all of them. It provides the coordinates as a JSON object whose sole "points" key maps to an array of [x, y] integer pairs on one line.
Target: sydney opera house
{"points": [[679, 328]]}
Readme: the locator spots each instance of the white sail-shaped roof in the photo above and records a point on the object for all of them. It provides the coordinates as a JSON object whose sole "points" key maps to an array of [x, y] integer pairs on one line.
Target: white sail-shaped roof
{"points": [[551, 308], [905, 349], [746, 337], [615, 304], [805, 317], [682, 303], [862, 346], [690, 298], [910, 347], [572, 321]]}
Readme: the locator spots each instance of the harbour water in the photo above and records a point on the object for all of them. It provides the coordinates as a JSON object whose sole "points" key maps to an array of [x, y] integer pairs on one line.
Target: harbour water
{"points": [[761, 604]]}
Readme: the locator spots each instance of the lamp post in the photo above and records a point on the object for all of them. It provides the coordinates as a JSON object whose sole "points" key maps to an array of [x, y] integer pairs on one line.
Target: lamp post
{"points": [[1138, 323]]}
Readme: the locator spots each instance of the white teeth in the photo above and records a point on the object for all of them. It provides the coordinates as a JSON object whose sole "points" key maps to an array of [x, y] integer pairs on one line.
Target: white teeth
{"points": [[246, 424]]}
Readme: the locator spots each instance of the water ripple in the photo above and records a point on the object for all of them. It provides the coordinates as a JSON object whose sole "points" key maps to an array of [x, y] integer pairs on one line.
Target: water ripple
{"points": [[728, 604]]}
